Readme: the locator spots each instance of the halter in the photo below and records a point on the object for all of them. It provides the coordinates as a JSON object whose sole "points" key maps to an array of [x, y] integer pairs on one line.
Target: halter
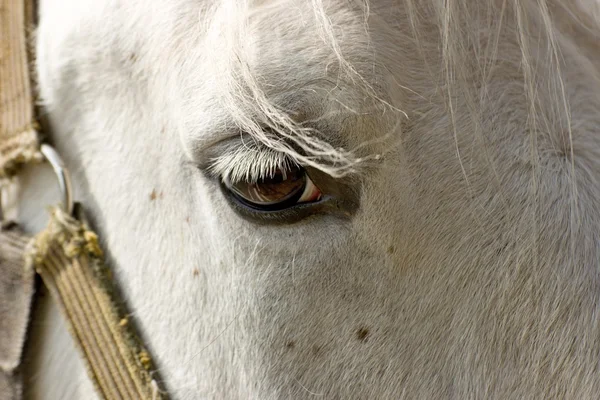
{"points": [[66, 255]]}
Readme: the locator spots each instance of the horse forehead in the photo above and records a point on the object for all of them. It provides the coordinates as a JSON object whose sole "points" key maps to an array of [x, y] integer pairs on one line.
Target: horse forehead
{"points": [[282, 47], [283, 43], [184, 54]]}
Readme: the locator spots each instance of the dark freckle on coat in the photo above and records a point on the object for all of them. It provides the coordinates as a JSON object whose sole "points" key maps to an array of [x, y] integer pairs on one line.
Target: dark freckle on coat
{"points": [[291, 344], [187, 219], [156, 195], [391, 250], [195, 272], [133, 57], [362, 334]]}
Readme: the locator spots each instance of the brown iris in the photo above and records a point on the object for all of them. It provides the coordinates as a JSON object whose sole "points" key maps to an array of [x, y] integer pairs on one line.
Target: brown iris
{"points": [[284, 187]]}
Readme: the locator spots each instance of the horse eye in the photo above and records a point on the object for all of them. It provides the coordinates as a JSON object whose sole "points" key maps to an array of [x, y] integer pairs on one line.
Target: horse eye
{"points": [[285, 188]]}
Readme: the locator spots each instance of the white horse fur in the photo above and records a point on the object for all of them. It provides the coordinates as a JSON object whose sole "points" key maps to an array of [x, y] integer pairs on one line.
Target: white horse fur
{"points": [[467, 131]]}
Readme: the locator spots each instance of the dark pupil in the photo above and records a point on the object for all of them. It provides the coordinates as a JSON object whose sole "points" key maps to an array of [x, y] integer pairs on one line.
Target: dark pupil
{"points": [[282, 186]]}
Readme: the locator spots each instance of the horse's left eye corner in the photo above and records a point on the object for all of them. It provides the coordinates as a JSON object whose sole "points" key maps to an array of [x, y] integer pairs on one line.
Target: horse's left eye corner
{"points": [[283, 189]]}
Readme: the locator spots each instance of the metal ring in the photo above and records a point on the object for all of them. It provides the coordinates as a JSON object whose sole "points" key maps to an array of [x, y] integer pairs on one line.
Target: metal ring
{"points": [[62, 174]]}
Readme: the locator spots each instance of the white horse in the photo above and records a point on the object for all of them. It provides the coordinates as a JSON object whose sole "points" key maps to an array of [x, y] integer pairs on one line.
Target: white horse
{"points": [[334, 199]]}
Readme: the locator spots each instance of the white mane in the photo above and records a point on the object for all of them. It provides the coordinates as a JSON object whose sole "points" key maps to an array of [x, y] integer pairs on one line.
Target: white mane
{"points": [[462, 133]]}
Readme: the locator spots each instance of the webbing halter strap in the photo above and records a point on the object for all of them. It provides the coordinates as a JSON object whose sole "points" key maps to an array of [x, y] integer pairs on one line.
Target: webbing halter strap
{"points": [[19, 140], [66, 254]]}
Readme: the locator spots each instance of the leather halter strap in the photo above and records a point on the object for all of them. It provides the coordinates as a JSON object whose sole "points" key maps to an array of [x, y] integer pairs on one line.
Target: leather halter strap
{"points": [[66, 254]]}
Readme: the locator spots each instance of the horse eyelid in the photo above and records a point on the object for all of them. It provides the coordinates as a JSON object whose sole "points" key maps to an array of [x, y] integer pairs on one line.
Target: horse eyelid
{"points": [[244, 161]]}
